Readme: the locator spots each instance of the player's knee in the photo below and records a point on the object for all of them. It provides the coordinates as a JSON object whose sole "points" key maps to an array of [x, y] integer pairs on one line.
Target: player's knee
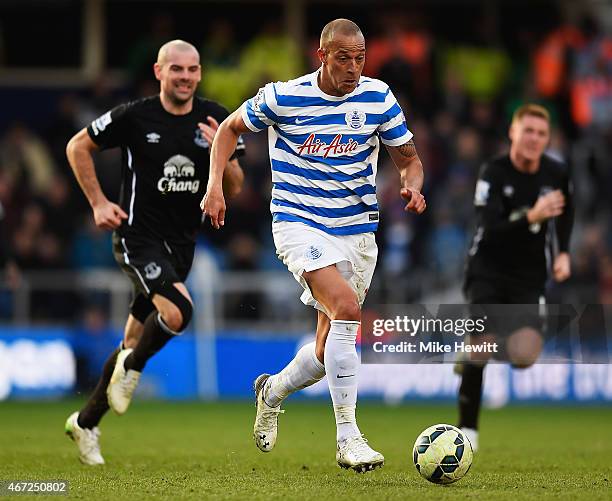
{"points": [[347, 308], [172, 318], [524, 347], [178, 316], [130, 339], [179, 311]]}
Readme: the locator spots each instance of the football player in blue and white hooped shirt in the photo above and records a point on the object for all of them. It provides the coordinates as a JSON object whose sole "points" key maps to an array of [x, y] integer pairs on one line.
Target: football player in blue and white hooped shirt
{"points": [[324, 132]]}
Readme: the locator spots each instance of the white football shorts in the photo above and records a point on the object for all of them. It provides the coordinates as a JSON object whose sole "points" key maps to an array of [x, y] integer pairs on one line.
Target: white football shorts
{"points": [[304, 248]]}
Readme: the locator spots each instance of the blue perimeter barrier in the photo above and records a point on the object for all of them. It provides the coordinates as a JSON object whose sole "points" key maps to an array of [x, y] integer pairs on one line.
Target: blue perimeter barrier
{"points": [[43, 363]]}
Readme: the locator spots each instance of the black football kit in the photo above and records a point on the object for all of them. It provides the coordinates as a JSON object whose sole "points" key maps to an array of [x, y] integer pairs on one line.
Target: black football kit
{"points": [[507, 253], [509, 259], [165, 165]]}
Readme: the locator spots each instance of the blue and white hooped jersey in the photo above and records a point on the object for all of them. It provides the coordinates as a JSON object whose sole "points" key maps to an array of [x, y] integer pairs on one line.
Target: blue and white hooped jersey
{"points": [[324, 150]]}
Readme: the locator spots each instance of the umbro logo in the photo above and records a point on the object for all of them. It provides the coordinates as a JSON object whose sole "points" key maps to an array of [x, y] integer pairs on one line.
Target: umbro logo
{"points": [[153, 137]]}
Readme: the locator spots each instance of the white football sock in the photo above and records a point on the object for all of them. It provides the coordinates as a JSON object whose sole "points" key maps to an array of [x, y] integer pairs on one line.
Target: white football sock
{"points": [[342, 367], [304, 370]]}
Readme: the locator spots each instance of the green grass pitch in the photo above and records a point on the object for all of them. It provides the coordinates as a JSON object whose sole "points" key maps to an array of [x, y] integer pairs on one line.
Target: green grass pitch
{"points": [[205, 451]]}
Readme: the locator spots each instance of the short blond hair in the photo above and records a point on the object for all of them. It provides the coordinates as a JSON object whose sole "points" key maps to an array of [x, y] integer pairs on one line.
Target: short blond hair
{"points": [[531, 109]]}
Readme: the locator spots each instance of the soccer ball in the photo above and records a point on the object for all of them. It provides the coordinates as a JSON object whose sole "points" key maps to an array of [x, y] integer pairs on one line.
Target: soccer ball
{"points": [[442, 454]]}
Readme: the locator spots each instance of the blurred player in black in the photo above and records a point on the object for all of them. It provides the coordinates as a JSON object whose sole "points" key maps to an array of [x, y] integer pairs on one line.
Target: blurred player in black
{"points": [[524, 214], [9, 272], [165, 141]]}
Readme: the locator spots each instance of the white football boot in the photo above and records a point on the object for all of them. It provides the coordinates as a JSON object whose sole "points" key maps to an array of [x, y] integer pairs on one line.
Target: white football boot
{"points": [[472, 436], [122, 384], [265, 428], [86, 440], [355, 453]]}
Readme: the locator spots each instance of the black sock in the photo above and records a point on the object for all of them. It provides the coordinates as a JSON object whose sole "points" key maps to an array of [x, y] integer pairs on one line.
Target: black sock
{"points": [[97, 405], [470, 393], [154, 338]]}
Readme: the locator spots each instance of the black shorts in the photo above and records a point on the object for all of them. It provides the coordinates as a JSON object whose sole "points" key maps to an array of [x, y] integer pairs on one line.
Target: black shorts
{"points": [[151, 263], [507, 306]]}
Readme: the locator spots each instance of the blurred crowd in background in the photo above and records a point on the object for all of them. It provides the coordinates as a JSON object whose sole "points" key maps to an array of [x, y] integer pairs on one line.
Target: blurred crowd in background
{"points": [[457, 91]]}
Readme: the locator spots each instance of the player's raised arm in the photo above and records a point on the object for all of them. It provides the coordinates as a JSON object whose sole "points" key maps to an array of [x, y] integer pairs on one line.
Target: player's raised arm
{"points": [[79, 151], [409, 165], [223, 147]]}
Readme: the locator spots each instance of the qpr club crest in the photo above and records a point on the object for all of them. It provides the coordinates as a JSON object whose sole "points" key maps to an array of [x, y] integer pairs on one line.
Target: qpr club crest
{"points": [[312, 253], [355, 119]]}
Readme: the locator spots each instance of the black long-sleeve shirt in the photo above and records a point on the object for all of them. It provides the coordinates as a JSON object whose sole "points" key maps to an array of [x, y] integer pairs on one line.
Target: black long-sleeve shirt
{"points": [[505, 246]]}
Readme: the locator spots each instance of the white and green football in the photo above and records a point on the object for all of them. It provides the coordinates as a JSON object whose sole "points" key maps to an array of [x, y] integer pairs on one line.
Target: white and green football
{"points": [[442, 454]]}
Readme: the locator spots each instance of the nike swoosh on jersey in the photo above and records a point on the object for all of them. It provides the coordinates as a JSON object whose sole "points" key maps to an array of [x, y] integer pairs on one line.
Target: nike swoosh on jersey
{"points": [[306, 120], [345, 375]]}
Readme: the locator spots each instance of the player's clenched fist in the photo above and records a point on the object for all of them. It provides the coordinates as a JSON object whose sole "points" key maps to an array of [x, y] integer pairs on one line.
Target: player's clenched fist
{"points": [[108, 215], [213, 206], [416, 201], [546, 207]]}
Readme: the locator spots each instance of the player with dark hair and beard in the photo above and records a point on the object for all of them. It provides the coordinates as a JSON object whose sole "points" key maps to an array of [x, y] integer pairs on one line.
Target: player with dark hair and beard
{"points": [[165, 141], [524, 213]]}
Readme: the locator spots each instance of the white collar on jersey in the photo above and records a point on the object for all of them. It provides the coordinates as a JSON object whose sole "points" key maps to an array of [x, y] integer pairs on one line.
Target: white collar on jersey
{"points": [[314, 80]]}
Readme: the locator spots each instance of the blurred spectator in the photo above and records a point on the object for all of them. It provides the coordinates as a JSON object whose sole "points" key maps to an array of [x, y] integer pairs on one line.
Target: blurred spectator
{"points": [[454, 98], [270, 56], [488, 123], [143, 53], [224, 80], [482, 64], [92, 247], [59, 208], [2, 47], [447, 246], [550, 60], [64, 125], [100, 100], [591, 95], [402, 57], [220, 48], [9, 272], [591, 110], [26, 159], [92, 340], [25, 238], [243, 253], [36, 247]]}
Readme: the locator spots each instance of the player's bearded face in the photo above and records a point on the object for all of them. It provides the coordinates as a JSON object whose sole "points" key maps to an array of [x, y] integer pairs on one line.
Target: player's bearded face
{"points": [[343, 62], [530, 135]]}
